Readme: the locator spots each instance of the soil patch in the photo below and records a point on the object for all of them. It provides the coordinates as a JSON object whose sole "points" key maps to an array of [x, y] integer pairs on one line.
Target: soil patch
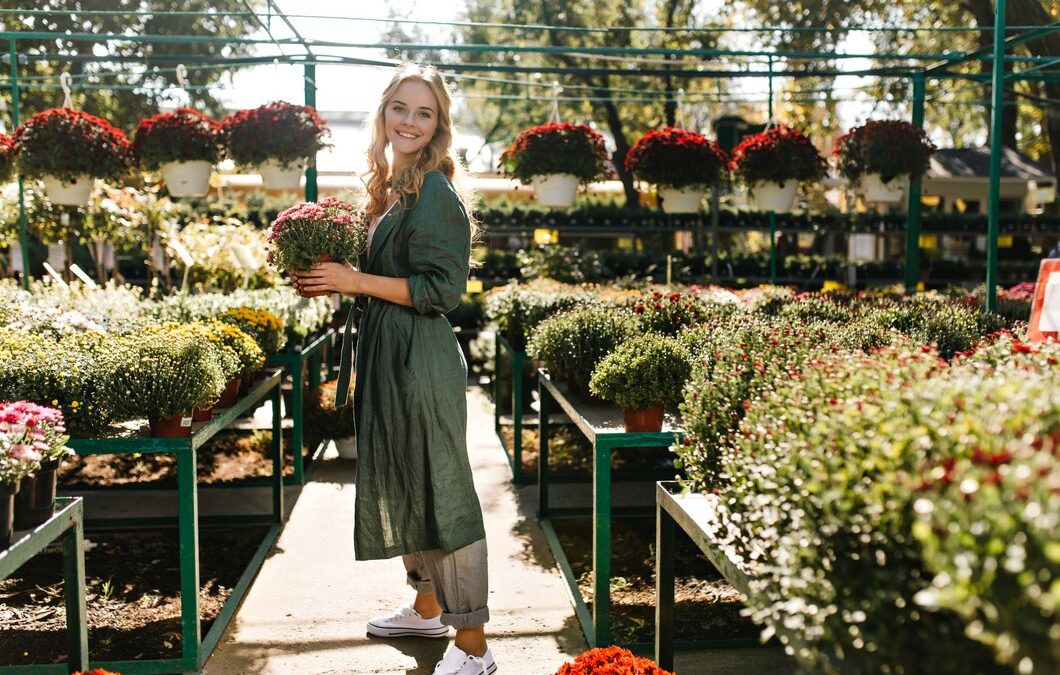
{"points": [[229, 457], [708, 607], [133, 593]]}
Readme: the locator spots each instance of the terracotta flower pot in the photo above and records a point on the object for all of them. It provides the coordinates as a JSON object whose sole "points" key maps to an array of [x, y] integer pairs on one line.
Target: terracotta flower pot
{"points": [[7, 514], [202, 414], [650, 420], [229, 395], [35, 501], [177, 425]]}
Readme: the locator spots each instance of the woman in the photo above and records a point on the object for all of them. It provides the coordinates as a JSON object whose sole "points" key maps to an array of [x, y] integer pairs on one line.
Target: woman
{"points": [[415, 495]]}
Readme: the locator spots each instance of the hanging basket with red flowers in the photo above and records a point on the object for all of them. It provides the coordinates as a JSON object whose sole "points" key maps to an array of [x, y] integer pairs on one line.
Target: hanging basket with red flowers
{"points": [[612, 661], [682, 164], [67, 148], [772, 164], [278, 136], [184, 135], [555, 157], [882, 155], [7, 157], [183, 145]]}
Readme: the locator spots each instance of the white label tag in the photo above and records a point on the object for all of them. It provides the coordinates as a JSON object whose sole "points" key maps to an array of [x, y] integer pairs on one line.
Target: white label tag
{"points": [[185, 421]]}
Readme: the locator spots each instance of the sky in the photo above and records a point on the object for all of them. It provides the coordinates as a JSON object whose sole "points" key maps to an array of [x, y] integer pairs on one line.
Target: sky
{"points": [[349, 88]]}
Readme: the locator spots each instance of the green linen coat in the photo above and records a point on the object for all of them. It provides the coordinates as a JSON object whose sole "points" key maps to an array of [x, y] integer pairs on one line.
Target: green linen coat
{"points": [[414, 484]]}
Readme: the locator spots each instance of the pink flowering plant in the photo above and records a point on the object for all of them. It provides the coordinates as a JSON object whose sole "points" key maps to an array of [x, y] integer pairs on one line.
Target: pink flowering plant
{"points": [[306, 232], [29, 433]]}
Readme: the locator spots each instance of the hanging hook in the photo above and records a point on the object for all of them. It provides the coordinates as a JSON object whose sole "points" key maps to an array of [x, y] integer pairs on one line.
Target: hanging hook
{"points": [[182, 76], [64, 82], [680, 116], [556, 91]]}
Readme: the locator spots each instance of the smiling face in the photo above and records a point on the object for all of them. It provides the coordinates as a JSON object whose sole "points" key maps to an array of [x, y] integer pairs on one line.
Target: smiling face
{"points": [[411, 119]]}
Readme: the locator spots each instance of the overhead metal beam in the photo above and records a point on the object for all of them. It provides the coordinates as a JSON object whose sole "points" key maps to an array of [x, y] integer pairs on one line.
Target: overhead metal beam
{"points": [[987, 52]]}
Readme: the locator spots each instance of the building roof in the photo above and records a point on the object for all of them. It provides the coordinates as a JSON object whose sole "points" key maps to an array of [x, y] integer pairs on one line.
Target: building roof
{"points": [[975, 163]]}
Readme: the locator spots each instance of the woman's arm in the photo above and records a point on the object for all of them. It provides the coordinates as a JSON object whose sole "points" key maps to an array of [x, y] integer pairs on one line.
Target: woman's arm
{"points": [[339, 278]]}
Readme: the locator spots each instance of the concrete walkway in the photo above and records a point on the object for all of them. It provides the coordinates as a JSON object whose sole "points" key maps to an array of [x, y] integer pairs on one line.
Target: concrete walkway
{"points": [[305, 612]]}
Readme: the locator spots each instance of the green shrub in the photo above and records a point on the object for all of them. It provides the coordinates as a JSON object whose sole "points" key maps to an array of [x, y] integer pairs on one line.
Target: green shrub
{"points": [[950, 326], [735, 364], [574, 342], [862, 492], [518, 308], [643, 372], [468, 314], [70, 373], [158, 373]]}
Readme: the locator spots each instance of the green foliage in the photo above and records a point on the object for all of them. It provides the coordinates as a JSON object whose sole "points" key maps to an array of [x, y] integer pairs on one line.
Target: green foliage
{"points": [[572, 343], [667, 313], [838, 474], [518, 309], [71, 373], [951, 327], [160, 372], [643, 372], [468, 314]]}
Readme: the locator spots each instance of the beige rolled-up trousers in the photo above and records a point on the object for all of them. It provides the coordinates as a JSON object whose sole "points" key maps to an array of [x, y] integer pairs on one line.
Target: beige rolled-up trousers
{"points": [[458, 579]]}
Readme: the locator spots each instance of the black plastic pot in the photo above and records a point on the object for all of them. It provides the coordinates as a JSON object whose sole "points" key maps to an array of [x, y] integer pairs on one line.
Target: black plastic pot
{"points": [[7, 514], [35, 501]]}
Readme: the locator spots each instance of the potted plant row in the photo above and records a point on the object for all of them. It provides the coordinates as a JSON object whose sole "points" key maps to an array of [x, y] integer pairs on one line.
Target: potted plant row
{"points": [[555, 158], [681, 164]]}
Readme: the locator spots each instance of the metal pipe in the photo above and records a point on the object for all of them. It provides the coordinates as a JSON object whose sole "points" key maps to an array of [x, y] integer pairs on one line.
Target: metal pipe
{"points": [[994, 197], [912, 231], [23, 225]]}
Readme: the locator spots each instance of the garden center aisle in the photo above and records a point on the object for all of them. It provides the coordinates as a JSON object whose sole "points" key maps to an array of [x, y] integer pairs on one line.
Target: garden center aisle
{"points": [[306, 610]]}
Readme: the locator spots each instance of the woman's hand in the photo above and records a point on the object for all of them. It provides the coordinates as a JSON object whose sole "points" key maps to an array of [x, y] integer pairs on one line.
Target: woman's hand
{"points": [[324, 278]]}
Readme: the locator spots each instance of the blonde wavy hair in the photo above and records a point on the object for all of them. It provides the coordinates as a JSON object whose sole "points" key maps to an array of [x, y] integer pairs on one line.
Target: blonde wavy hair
{"points": [[437, 154]]}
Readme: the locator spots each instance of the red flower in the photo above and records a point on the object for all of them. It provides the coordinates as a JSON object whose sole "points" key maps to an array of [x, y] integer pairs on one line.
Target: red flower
{"points": [[611, 661], [557, 147], [777, 155], [888, 147], [183, 135], [69, 143], [279, 130], [677, 158]]}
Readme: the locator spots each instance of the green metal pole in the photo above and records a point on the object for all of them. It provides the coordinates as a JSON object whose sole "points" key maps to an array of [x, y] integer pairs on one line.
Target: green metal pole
{"points": [[311, 165], [188, 519], [518, 358], [769, 120], [772, 247], [76, 613], [997, 94], [912, 230], [543, 431], [665, 554], [601, 543], [297, 419], [23, 225]]}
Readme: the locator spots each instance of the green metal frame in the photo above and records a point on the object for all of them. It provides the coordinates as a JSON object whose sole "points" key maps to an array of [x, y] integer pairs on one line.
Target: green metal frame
{"points": [[65, 525], [604, 436], [296, 361], [197, 647], [672, 512], [515, 452]]}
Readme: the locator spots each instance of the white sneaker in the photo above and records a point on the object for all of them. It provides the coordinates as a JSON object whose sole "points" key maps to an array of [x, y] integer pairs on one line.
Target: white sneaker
{"points": [[458, 662], [407, 622]]}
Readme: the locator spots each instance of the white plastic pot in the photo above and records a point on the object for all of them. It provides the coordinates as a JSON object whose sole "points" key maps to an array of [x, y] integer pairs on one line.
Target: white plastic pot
{"points": [[187, 179], [776, 197], [875, 190], [556, 189], [274, 176], [680, 200], [68, 194], [347, 447]]}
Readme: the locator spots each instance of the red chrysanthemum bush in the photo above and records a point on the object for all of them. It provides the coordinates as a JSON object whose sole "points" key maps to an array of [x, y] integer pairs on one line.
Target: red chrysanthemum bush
{"points": [[184, 135], [68, 143], [611, 661], [677, 158], [888, 147], [7, 156], [557, 147], [777, 155], [282, 131]]}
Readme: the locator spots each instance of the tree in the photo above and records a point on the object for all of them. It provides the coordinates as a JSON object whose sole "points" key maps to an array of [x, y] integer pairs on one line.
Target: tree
{"points": [[147, 75], [619, 103]]}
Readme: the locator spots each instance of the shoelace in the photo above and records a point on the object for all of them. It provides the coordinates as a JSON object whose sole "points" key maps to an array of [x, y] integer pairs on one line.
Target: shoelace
{"points": [[482, 661]]}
